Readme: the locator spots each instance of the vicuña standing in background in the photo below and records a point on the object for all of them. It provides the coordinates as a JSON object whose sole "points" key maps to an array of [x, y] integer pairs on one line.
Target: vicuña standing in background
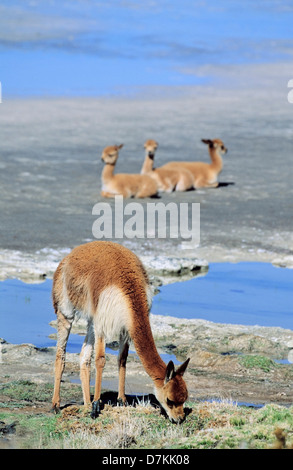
{"points": [[167, 179], [205, 175], [124, 184], [107, 284]]}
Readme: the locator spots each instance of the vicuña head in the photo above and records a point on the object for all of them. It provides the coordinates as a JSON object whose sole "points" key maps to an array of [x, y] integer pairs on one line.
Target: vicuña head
{"points": [[167, 179], [125, 184], [173, 394], [216, 144], [150, 148], [107, 284], [110, 154]]}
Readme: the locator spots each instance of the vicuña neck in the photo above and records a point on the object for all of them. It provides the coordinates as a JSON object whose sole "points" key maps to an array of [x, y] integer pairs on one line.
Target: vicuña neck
{"points": [[108, 172], [217, 162], [144, 343], [147, 165]]}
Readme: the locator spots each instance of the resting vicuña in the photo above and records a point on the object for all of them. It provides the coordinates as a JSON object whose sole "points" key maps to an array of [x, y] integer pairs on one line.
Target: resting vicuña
{"points": [[124, 184], [205, 175], [168, 179], [107, 284]]}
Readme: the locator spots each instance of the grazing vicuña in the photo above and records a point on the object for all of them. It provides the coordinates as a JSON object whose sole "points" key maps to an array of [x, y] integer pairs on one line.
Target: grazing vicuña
{"points": [[107, 284]]}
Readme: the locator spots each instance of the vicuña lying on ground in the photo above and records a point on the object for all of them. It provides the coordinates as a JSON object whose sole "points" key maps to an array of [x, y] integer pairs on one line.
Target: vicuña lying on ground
{"points": [[167, 179], [126, 185], [205, 175], [107, 284]]}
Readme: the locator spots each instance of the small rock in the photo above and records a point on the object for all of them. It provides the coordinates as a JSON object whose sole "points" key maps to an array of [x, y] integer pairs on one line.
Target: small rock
{"points": [[7, 428]]}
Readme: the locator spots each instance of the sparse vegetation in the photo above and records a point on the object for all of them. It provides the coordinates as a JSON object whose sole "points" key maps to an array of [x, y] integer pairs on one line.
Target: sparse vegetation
{"points": [[221, 425]]}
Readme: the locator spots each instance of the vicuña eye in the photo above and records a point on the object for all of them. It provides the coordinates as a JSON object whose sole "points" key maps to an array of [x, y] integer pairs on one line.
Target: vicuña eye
{"points": [[170, 403]]}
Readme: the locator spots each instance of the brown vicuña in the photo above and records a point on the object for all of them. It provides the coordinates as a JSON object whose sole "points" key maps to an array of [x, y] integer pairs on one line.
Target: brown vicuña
{"points": [[205, 175], [107, 284], [124, 184], [167, 179]]}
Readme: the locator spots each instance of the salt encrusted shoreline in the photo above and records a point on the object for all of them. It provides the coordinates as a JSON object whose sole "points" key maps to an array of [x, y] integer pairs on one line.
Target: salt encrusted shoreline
{"points": [[35, 267]]}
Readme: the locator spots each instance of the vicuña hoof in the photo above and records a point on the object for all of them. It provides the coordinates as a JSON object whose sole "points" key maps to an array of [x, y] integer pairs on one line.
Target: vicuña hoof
{"points": [[121, 402], [97, 407]]}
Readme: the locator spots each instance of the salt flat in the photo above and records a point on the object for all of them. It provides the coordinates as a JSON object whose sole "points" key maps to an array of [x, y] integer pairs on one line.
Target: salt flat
{"points": [[50, 166]]}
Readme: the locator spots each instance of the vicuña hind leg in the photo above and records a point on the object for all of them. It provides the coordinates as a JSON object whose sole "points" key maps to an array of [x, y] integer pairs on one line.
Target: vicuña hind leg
{"points": [[63, 329], [185, 182], [200, 183], [147, 189], [122, 192], [85, 362], [107, 194], [142, 193]]}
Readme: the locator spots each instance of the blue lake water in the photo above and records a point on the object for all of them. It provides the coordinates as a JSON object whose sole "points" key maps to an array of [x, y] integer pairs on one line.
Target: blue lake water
{"points": [[241, 293], [97, 48]]}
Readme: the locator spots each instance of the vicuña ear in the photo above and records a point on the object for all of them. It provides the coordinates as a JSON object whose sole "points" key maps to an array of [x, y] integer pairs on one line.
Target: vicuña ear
{"points": [[181, 369], [207, 141], [119, 146], [170, 371]]}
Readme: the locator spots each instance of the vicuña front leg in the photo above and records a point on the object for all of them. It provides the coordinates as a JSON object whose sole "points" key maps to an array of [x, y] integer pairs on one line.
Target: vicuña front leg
{"points": [[122, 359], [100, 361]]}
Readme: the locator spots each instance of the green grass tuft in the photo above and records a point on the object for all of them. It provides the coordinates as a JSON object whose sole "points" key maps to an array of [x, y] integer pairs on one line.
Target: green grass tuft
{"points": [[257, 362]]}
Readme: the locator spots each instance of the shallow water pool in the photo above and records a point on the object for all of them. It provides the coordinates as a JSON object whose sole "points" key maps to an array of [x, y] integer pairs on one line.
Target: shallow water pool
{"points": [[240, 293]]}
